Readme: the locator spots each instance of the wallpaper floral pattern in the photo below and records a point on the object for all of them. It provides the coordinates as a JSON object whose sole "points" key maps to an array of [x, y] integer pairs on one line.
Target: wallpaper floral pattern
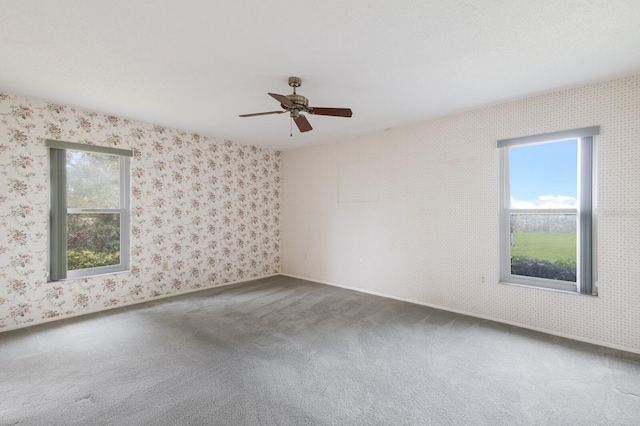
{"points": [[208, 208]]}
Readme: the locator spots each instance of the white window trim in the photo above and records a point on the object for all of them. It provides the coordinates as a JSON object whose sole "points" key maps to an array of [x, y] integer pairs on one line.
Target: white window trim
{"points": [[58, 217], [585, 212]]}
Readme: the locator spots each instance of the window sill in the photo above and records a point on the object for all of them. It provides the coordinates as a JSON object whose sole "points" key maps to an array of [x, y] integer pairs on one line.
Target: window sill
{"points": [[89, 276], [535, 287]]}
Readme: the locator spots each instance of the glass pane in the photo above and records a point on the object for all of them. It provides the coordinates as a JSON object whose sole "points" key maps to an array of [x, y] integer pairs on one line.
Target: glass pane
{"points": [[93, 240], [544, 176], [544, 246], [93, 180]]}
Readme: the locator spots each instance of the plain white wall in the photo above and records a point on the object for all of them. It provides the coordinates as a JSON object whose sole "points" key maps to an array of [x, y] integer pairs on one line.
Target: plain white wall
{"points": [[412, 213]]}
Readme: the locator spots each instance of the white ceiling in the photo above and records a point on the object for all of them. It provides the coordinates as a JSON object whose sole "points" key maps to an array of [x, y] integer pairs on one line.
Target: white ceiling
{"points": [[195, 65]]}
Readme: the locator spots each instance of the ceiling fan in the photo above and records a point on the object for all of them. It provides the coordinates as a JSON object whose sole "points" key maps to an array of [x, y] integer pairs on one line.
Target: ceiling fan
{"points": [[295, 104]]}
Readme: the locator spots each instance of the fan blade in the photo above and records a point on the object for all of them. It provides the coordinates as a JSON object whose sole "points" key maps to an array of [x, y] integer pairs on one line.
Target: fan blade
{"points": [[261, 113], [334, 112], [303, 123], [282, 99]]}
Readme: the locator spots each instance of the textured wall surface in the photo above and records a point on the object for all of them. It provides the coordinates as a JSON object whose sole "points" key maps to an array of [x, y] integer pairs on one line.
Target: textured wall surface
{"points": [[209, 208], [425, 227]]}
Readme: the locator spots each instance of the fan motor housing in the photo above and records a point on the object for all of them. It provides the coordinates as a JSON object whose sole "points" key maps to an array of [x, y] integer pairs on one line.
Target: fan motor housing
{"points": [[300, 102]]}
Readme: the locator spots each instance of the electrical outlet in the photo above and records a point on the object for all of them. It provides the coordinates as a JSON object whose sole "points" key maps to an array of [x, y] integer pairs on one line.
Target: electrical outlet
{"points": [[483, 279], [165, 266]]}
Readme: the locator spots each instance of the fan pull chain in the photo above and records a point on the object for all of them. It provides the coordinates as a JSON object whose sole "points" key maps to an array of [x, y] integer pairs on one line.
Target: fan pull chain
{"points": [[291, 128]]}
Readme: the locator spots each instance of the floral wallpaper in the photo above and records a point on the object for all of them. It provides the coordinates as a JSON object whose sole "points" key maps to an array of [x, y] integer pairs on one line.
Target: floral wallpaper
{"points": [[209, 208]]}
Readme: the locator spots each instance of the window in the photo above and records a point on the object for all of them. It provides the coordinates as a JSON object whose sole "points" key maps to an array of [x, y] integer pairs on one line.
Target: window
{"points": [[548, 210], [89, 223]]}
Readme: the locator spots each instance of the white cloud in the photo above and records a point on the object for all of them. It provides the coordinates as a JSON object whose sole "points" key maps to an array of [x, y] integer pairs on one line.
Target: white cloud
{"points": [[515, 204], [545, 202], [557, 198]]}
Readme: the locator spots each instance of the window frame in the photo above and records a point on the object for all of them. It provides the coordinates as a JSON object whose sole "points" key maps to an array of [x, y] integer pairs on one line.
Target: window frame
{"points": [[58, 210], [585, 212]]}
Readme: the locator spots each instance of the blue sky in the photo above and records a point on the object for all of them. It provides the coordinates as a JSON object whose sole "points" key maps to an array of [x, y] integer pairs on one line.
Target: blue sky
{"points": [[544, 175]]}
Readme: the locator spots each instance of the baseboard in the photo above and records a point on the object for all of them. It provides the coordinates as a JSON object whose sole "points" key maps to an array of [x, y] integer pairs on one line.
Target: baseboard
{"points": [[134, 302], [471, 314]]}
